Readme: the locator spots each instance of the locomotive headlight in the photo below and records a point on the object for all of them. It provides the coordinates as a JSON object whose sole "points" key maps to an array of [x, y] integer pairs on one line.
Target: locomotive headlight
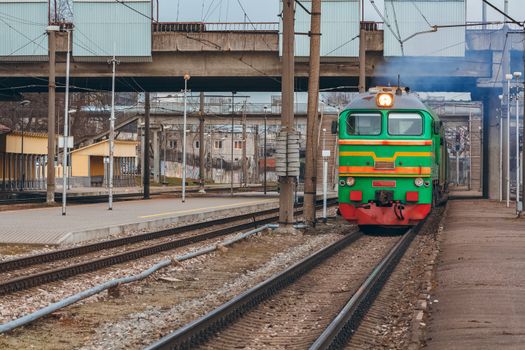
{"points": [[418, 182], [350, 181], [384, 100], [342, 182]]}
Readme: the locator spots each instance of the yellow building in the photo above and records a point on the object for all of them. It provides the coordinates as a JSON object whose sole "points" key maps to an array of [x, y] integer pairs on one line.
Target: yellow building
{"points": [[89, 165], [22, 160]]}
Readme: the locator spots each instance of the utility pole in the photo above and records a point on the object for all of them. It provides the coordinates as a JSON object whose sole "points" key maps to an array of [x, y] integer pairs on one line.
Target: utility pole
{"points": [[66, 129], [145, 167], [51, 31], [233, 125], [244, 163], [186, 78], [523, 138], [310, 176], [112, 132], [286, 182], [362, 52], [201, 144], [264, 147], [256, 154]]}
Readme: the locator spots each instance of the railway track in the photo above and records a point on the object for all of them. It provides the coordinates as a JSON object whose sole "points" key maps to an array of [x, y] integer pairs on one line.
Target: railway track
{"points": [[254, 318], [38, 197], [43, 276]]}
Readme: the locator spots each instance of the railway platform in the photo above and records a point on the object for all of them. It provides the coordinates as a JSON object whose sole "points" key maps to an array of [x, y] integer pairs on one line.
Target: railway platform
{"points": [[91, 221], [478, 299]]}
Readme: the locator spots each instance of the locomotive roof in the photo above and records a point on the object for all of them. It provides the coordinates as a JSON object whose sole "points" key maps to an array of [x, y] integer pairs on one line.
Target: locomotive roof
{"points": [[405, 101]]}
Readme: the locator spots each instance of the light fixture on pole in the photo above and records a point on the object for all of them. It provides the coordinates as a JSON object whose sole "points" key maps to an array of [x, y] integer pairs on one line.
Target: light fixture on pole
{"points": [[66, 128], [501, 149], [186, 78], [264, 148], [508, 77], [517, 76]]}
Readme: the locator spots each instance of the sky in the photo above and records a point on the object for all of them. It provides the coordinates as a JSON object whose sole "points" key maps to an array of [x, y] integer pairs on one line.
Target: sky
{"points": [[267, 10]]}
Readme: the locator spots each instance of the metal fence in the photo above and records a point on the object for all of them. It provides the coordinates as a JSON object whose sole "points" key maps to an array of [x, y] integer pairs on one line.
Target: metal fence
{"points": [[198, 27]]}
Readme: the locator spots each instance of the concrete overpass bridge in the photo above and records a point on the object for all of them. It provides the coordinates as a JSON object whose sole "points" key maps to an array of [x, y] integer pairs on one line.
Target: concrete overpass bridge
{"points": [[228, 59]]}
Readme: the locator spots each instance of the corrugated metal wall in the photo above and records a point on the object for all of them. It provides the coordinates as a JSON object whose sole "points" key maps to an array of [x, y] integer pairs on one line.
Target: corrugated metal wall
{"points": [[339, 24], [104, 27], [22, 30], [408, 17]]}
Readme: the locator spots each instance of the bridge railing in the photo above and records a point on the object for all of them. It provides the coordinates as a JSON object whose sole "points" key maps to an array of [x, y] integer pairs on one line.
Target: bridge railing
{"points": [[198, 27]]}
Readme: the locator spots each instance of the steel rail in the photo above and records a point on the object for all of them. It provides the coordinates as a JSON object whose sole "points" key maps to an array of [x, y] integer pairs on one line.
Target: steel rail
{"points": [[36, 279], [344, 325], [198, 331]]}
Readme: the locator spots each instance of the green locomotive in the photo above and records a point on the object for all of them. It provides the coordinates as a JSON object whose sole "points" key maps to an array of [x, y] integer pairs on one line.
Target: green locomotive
{"points": [[392, 159]]}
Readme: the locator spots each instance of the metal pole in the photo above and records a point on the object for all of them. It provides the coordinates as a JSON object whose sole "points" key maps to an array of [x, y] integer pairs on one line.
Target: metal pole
{"points": [[145, 167], [286, 183], [265, 132], [164, 155], [470, 151], [501, 152], [233, 121], [66, 129], [310, 176], [22, 178], [186, 78], [325, 174], [508, 144], [523, 134], [244, 155], [518, 210], [51, 118], [325, 185], [201, 144], [112, 133]]}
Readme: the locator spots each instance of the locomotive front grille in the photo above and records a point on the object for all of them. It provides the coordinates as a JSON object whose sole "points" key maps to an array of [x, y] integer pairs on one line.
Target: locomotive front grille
{"points": [[380, 165]]}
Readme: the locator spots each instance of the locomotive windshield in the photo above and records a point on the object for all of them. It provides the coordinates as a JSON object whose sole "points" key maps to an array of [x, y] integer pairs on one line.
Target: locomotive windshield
{"points": [[364, 124], [405, 124]]}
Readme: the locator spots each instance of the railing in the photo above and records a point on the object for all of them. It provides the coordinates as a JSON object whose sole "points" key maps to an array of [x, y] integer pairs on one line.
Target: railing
{"points": [[225, 108], [498, 25], [198, 27]]}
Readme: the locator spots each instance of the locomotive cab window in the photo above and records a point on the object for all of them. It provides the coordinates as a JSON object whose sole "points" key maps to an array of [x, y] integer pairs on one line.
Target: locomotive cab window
{"points": [[405, 124], [364, 124]]}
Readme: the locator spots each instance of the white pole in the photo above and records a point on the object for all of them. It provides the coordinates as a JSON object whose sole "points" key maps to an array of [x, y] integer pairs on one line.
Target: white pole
{"points": [[112, 133], [186, 78], [66, 130], [325, 185], [325, 173], [517, 151], [470, 151], [507, 178], [501, 152], [457, 168]]}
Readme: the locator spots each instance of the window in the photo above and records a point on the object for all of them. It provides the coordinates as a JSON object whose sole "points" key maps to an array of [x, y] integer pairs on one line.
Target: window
{"points": [[172, 144], [217, 144], [406, 124], [197, 144], [237, 145], [363, 124]]}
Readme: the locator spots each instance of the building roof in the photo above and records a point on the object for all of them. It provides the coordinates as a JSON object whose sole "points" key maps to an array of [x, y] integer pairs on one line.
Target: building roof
{"points": [[4, 129], [95, 149]]}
